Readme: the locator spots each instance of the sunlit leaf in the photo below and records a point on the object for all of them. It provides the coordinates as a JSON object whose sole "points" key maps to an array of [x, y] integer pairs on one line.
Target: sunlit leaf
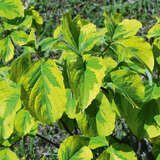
{"points": [[7, 154], [10, 103], [43, 91], [98, 119], [75, 148], [11, 9]]}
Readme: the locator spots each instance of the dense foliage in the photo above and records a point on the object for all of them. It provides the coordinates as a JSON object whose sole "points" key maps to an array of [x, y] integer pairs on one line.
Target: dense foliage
{"points": [[103, 74]]}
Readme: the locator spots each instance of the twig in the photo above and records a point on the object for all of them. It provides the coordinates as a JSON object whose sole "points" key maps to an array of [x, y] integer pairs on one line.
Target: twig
{"points": [[47, 140]]}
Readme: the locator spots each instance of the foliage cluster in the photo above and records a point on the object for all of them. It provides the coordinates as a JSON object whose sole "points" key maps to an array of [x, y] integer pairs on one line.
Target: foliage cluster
{"points": [[103, 74]]}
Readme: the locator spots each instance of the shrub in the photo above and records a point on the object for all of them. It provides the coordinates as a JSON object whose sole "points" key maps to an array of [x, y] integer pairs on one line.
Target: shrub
{"points": [[103, 74]]}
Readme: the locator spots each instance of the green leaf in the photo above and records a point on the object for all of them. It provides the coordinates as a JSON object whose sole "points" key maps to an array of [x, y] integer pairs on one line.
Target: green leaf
{"points": [[137, 66], [137, 47], [19, 66], [157, 119], [130, 85], [154, 31], [83, 154], [151, 116], [10, 104], [57, 32], [32, 37], [43, 91], [75, 147], [105, 118], [67, 55], [43, 158], [118, 152], [110, 64], [85, 78], [38, 19], [4, 71], [32, 18], [27, 22], [151, 92], [68, 32], [24, 123], [96, 142], [109, 25], [117, 18], [6, 49], [29, 50], [88, 37], [47, 43], [157, 18], [18, 23], [80, 22], [126, 29], [71, 104], [98, 119], [143, 121], [71, 30], [158, 157], [7, 154], [19, 37], [11, 9], [156, 50]]}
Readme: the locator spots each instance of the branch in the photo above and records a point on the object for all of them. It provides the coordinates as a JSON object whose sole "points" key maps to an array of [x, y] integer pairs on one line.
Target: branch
{"points": [[47, 140]]}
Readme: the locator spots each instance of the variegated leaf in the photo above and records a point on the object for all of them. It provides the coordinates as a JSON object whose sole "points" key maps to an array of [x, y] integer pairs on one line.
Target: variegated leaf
{"points": [[10, 103], [75, 148], [11, 9], [130, 85], [43, 91], [126, 29], [118, 152], [19, 66], [88, 37], [19, 37], [137, 48], [99, 141], [85, 78], [7, 154], [6, 49], [98, 119], [24, 123]]}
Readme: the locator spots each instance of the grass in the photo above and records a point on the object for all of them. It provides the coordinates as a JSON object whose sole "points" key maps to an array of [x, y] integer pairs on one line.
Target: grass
{"points": [[52, 11]]}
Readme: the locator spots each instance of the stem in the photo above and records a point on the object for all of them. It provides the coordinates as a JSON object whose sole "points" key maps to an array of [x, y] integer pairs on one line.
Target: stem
{"points": [[76, 131], [66, 128], [38, 135], [158, 75], [139, 149], [47, 140]]}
